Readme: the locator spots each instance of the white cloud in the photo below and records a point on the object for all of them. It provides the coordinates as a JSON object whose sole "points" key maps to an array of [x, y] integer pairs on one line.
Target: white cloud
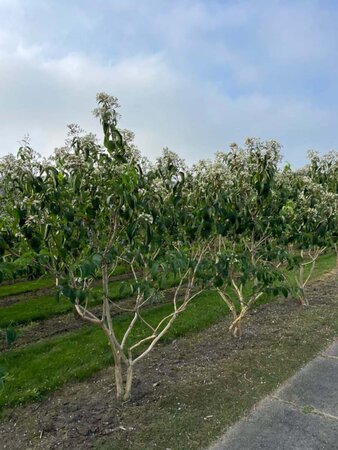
{"points": [[165, 99], [301, 31]]}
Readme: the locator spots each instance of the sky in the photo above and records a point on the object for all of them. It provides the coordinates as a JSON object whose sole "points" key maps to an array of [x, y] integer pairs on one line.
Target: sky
{"points": [[191, 75]]}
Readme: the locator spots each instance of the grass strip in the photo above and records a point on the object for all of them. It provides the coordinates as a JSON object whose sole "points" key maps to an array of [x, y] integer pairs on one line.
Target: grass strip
{"points": [[39, 368], [44, 307], [22, 287]]}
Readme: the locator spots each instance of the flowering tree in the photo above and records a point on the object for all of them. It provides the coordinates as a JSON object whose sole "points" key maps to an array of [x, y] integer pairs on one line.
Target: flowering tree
{"points": [[232, 224], [310, 215], [94, 207], [323, 170], [240, 186], [17, 256]]}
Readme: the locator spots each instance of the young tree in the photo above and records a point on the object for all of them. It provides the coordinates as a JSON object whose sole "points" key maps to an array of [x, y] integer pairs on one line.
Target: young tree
{"points": [[240, 186], [93, 208], [323, 170], [311, 219]]}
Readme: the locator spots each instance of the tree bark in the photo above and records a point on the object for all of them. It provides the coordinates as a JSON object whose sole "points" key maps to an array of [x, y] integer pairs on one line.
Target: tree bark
{"points": [[118, 378], [236, 327], [129, 381]]}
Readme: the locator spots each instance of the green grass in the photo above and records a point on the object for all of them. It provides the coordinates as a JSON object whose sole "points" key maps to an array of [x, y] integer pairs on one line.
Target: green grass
{"points": [[45, 366], [325, 263], [44, 307], [23, 287]]}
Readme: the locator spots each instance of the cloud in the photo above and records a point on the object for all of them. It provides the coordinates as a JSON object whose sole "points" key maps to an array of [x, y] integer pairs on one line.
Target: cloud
{"points": [[300, 32], [191, 75]]}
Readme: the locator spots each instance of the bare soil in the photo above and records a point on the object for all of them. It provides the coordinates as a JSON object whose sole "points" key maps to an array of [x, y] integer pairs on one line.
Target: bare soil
{"points": [[190, 389]]}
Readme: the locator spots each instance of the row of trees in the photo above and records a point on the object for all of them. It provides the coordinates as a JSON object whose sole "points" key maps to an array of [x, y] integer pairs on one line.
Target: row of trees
{"points": [[235, 224]]}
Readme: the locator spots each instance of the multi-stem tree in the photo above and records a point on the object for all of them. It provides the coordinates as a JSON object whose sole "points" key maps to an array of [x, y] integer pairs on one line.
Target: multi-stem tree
{"points": [[311, 222], [323, 170], [239, 188], [94, 207]]}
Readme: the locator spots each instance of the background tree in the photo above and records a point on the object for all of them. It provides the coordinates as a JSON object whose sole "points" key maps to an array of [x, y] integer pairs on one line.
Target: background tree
{"points": [[239, 191], [310, 216]]}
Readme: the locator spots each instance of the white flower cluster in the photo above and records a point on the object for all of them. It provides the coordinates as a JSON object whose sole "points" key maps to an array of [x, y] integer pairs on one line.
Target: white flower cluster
{"points": [[146, 217]]}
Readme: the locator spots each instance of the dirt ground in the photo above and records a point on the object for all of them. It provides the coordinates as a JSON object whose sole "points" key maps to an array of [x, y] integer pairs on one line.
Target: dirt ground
{"points": [[82, 414]]}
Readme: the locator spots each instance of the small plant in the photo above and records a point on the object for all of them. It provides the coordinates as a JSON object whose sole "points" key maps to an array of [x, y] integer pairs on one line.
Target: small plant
{"points": [[9, 334]]}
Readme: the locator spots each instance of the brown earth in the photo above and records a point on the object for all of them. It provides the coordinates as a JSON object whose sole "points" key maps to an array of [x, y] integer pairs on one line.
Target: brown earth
{"points": [[190, 389]]}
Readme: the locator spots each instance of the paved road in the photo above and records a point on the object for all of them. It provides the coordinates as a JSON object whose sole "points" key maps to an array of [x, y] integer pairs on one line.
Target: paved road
{"points": [[301, 415]]}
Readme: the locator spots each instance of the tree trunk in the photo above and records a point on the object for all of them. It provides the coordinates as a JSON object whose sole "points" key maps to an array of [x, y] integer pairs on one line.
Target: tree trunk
{"points": [[302, 298], [118, 378], [129, 381], [236, 327], [123, 389]]}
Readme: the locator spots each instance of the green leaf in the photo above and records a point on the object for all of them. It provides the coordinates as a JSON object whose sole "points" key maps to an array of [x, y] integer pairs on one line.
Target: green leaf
{"points": [[55, 208], [87, 269], [69, 216], [91, 212], [2, 376], [80, 295], [218, 281], [47, 231], [285, 292], [97, 259], [35, 244], [10, 334]]}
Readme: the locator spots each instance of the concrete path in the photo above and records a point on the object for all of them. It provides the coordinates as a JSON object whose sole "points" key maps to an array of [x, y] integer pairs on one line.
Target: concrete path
{"points": [[301, 415]]}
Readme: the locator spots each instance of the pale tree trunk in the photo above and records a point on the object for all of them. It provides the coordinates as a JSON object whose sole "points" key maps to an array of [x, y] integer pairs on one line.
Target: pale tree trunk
{"points": [[238, 318], [118, 377], [129, 381], [235, 316], [301, 280], [123, 381], [123, 369], [123, 389], [124, 364], [301, 283], [236, 326]]}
